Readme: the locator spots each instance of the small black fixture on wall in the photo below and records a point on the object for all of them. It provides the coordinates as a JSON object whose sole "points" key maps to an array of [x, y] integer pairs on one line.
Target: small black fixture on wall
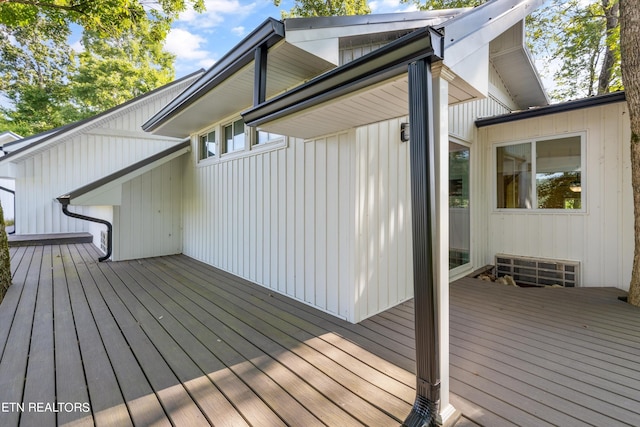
{"points": [[404, 132]]}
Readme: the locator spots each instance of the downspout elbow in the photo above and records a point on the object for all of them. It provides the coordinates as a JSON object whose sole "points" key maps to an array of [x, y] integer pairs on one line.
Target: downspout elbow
{"points": [[65, 209]]}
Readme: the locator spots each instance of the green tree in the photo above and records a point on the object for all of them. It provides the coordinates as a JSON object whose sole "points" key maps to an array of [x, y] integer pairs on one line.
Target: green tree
{"points": [[109, 17], [310, 8], [35, 61], [584, 38], [45, 84], [630, 56], [116, 69]]}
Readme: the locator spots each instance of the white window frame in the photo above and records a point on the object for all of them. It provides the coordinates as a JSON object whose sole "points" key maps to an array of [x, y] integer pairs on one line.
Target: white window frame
{"points": [[534, 190], [199, 147], [464, 269], [250, 147]]}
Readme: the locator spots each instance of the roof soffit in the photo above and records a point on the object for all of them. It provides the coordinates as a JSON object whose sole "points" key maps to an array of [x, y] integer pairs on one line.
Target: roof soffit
{"points": [[287, 66]]}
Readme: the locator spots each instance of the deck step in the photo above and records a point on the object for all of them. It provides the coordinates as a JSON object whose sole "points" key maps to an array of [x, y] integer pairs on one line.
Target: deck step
{"points": [[49, 239]]}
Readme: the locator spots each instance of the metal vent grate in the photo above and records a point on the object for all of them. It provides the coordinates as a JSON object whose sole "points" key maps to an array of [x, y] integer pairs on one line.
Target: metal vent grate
{"points": [[538, 271]]}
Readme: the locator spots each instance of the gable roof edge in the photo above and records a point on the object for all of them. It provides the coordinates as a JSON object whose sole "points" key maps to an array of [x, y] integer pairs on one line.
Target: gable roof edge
{"points": [[52, 134]]}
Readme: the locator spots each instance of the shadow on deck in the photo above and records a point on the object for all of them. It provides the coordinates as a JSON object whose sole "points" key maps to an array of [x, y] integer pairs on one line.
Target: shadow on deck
{"points": [[173, 341]]}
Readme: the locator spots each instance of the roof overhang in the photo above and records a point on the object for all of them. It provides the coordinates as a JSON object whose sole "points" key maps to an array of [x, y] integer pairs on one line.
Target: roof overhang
{"points": [[495, 30], [578, 104], [107, 191], [228, 87], [371, 88]]}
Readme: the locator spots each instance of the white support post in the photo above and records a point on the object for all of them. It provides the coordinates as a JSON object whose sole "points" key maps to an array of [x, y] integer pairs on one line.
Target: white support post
{"points": [[447, 415]]}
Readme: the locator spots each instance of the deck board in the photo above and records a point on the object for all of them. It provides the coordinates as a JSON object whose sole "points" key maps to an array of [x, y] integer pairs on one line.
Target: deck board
{"points": [[172, 341], [40, 378]]}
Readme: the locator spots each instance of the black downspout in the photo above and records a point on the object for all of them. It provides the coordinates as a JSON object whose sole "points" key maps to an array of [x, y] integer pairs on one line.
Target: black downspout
{"points": [[423, 212], [65, 210]]}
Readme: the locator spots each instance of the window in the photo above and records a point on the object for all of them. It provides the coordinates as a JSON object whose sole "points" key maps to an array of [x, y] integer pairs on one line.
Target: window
{"points": [[234, 136], [208, 145], [263, 137], [545, 174]]}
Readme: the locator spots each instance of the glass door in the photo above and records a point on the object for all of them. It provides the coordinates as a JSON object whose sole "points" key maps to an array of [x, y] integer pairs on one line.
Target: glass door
{"points": [[459, 210]]}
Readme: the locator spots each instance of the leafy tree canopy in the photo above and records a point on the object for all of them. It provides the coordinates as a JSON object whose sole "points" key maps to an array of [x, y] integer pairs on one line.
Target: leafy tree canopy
{"points": [[310, 8], [579, 39], [108, 17], [45, 84]]}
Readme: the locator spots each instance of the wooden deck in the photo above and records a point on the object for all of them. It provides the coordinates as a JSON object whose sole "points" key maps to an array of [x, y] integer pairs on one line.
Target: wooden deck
{"points": [[171, 341]]}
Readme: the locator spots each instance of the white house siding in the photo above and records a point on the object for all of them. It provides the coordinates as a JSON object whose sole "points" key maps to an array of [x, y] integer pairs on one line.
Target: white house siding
{"points": [[65, 167], [85, 155], [281, 218], [601, 238], [149, 220], [384, 257]]}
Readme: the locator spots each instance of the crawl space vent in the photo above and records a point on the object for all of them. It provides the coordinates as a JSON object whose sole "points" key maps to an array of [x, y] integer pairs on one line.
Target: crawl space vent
{"points": [[538, 271]]}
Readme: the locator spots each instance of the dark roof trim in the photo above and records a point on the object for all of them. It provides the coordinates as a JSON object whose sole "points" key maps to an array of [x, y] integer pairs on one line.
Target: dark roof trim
{"points": [[269, 33], [593, 101], [45, 136], [66, 199], [377, 66]]}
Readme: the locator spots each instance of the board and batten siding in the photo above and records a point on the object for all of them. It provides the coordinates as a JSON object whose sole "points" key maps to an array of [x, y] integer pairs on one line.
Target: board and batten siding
{"points": [[282, 218], [148, 222], [601, 237], [384, 256], [49, 174], [81, 156]]}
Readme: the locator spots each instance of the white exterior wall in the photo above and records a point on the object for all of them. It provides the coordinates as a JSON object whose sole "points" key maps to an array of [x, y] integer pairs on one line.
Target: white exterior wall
{"points": [[109, 144], [148, 222], [384, 256], [601, 238], [282, 218]]}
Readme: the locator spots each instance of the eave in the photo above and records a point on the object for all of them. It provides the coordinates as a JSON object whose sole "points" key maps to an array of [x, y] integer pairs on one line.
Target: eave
{"points": [[296, 112], [593, 101], [229, 86]]}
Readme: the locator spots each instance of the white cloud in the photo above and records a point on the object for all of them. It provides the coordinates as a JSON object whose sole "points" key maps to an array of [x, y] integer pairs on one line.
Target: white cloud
{"points": [[216, 13], [185, 45], [238, 31], [391, 6]]}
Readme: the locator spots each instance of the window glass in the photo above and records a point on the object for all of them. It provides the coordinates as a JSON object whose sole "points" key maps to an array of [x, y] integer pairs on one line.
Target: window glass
{"points": [[558, 178], [263, 137], [459, 206], [208, 145], [552, 181], [234, 136], [514, 176]]}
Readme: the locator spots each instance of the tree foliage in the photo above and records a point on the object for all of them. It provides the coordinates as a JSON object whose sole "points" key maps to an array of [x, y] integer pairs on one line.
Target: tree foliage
{"points": [[35, 62], [578, 39], [114, 70], [310, 8], [583, 39], [46, 84], [107, 17]]}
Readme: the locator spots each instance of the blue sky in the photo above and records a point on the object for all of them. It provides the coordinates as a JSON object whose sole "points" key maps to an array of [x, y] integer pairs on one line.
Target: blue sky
{"points": [[199, 40]]}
